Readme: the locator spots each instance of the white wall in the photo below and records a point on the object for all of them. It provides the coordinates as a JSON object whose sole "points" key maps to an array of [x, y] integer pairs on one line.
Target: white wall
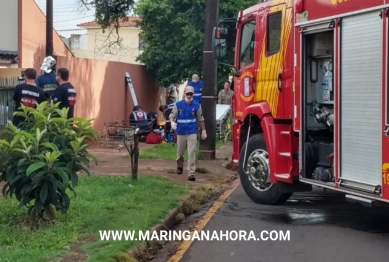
{"points": [[9, 25], [78, 42], [84, 41], [95, 45]]}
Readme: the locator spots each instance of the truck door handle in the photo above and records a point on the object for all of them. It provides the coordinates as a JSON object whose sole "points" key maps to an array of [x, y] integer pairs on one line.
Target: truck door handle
{"points": [[280, 82], [386, 130], [254, 84]]}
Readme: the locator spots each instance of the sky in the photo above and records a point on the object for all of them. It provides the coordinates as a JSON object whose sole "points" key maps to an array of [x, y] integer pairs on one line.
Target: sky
{"points": [[67, 15]]}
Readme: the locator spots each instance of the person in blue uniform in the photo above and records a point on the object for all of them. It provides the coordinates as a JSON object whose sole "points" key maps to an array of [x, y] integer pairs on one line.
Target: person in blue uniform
{"points": [[197, 85], [47, 81], [185, 118]]}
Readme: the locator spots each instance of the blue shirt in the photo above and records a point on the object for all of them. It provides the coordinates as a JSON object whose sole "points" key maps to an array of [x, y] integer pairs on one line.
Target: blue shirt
{"points": [[198, 89], [48, 83]]}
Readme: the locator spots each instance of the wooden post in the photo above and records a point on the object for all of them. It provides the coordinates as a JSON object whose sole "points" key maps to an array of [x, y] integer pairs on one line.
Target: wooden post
{"points": [[135, 157], [207, 147], [49, 28]]}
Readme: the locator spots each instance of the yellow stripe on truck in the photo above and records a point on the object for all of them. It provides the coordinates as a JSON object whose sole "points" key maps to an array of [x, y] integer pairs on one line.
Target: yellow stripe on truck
{"points": [[271, 67]]}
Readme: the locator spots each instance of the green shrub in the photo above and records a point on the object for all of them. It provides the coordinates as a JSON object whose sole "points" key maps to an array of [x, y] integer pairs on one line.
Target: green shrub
{"points": [[5, 152], [44, 157]]}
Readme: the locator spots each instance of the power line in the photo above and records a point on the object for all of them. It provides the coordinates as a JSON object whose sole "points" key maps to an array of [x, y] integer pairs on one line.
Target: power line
{"points": [[73, 19]]}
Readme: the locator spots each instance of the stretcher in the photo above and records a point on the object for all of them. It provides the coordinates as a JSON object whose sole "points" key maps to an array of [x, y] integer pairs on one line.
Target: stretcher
{"points": [[223, 121]]}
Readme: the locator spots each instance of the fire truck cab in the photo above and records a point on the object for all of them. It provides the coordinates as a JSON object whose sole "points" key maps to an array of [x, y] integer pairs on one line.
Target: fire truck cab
{"points": [[311, 98]]}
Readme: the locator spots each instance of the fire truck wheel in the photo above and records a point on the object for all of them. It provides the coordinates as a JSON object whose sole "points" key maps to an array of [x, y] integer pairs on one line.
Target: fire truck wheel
{"points": [[255, 175]]}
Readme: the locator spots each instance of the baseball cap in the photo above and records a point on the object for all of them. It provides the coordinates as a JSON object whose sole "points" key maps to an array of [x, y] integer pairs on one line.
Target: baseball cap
{"points": [[189, 89], [195, 78]]}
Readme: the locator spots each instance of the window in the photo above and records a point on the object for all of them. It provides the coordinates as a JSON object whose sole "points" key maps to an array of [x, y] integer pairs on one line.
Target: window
{"points": [[141, 45], [247, 44], [274, 22]]}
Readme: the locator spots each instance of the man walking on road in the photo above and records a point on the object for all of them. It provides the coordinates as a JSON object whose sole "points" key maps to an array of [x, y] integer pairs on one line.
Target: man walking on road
{"points": [[185, 117]]}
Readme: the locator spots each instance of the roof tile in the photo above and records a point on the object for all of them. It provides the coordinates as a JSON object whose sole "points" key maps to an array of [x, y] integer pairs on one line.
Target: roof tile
{"points": [[130, 22]]}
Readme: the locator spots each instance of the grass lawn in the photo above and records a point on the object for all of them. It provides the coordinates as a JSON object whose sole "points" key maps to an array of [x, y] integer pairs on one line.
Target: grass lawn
{"points": [[102, 203], [169, 151]]}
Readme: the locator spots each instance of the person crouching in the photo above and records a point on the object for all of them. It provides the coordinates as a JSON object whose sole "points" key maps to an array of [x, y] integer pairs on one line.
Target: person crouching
{"points": [[138, 118], [185, 117]]}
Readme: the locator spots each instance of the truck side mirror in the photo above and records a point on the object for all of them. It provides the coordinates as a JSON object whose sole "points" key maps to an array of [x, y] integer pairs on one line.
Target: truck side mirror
{"points": [[219, 42]]}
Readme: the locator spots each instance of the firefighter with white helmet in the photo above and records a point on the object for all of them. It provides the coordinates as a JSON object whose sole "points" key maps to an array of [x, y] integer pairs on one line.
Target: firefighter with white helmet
{"points": [[47, 81]]}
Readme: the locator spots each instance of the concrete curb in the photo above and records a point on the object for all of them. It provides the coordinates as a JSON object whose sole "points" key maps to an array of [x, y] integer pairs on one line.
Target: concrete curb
{"points": [[171, 219]]}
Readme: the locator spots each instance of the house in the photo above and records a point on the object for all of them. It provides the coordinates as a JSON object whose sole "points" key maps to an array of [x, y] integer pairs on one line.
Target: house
{"points": [[8, 44], [124, 46], [23, 34], [23, 41], [98, 82]]}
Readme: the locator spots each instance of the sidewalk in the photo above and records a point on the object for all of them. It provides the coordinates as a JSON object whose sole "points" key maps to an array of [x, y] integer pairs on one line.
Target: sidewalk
{"points": [[115, 162]]}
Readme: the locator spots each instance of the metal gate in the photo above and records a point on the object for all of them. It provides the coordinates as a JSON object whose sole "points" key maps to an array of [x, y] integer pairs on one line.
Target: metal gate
{"points": [[360, 98], [7, 86]]}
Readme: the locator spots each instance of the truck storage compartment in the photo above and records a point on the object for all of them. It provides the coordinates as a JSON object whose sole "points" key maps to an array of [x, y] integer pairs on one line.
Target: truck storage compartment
{"points": [[360, 99], [318, 103]]}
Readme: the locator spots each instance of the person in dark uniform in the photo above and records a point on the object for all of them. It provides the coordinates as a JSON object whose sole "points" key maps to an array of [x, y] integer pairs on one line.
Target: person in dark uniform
{"points": [[65, 93], [152, 116], [27, 94], [138, 118], [48, 81], [168, 111]]}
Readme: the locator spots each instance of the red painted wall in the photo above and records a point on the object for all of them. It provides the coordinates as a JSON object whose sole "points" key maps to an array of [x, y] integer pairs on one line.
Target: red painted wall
{"points": [[102, 91], [32, 36]]}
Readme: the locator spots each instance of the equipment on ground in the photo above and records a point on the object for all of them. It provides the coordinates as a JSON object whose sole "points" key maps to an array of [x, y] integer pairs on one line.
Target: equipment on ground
{"points": [[223, 121], [131, 87]]}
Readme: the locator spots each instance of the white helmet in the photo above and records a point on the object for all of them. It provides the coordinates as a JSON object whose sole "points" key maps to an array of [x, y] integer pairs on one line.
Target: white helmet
{"points": [[48, 64]]}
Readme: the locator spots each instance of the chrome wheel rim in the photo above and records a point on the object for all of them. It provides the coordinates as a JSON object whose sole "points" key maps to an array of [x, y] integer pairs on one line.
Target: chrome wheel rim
{"points": [[258, 171]]}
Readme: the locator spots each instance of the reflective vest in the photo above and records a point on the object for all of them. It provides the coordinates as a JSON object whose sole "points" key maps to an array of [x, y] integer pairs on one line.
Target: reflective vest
{"points": [[198, 88], [187, 117], [168, 110], [139, 118]]}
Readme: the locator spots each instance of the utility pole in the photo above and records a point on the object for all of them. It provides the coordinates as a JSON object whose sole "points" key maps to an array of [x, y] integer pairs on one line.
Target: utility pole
{"points": [[49, 28], [207, 147]]}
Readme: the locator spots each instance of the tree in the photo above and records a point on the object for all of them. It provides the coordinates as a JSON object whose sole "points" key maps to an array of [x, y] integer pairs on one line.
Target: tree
{"points": [[108, 13], [174, 33], [40, 163]]}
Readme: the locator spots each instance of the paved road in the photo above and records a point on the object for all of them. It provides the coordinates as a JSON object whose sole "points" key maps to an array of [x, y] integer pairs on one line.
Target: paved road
{"points": [[323, 228]]}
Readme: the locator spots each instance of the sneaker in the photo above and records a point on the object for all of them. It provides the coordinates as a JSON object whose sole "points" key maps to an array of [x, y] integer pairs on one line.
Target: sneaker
{"points": [[180, 170], [191, 178]]}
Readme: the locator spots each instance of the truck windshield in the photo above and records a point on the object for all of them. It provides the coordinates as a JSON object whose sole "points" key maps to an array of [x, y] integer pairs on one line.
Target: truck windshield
{"points": [[247, 44]]}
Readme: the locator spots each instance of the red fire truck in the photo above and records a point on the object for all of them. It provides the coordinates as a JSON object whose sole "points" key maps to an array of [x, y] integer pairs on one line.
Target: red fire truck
{"points": [[311, 98]]}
